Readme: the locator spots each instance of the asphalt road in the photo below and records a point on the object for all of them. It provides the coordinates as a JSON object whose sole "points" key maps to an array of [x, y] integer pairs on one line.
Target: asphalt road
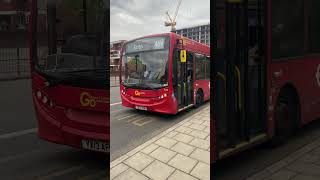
{"points": [[24, 156], [254, 160], [130, 128]]}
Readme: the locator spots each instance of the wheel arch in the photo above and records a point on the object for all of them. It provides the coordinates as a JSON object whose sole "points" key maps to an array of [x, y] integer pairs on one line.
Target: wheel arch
{"points": [[200, 90], [290, 90]]}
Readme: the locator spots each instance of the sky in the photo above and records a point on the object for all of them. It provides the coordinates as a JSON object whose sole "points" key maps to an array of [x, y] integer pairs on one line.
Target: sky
{"points": [[131, 19]]}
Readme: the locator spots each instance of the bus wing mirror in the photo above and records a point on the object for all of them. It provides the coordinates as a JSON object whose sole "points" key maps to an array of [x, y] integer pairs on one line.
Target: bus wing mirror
{"points": [[183, 56]]}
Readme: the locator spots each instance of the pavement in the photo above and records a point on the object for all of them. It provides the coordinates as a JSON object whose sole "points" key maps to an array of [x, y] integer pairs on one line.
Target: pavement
{"points": [[303, 164], [180, 152]]}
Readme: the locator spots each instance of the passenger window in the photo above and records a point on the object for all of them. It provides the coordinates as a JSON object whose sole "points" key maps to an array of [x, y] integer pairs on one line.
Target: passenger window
{"points": [[200, 66], [314, 26], [287, 28], [207, 68]]}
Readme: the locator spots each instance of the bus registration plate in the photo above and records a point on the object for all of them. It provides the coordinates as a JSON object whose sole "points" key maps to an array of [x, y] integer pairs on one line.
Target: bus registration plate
{"points": [[95, 145], [141, 108]]}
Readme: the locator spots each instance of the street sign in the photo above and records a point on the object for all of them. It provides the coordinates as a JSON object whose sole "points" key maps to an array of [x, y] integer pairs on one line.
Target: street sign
{"points": [[183, 56]]}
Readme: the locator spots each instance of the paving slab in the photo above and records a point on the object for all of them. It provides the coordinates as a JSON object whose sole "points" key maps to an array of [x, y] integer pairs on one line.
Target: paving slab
{"points": [[181, 152], [301, 164]]}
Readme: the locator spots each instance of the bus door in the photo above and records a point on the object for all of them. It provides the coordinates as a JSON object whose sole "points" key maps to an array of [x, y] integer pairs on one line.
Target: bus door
{"points": [[239, 91], [183, 78]]}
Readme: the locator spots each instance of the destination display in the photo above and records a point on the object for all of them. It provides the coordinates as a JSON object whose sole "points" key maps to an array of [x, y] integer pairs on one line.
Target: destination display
{"points": [[146, 44]]}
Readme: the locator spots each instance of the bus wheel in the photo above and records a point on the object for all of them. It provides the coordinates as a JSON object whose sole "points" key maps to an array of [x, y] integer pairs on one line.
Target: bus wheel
{"points": [[284, 123], [199, 99]]}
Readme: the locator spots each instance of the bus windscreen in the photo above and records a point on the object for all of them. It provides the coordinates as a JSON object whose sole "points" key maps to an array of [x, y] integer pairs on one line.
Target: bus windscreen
{"points": [[74, 51], [145, 63]]}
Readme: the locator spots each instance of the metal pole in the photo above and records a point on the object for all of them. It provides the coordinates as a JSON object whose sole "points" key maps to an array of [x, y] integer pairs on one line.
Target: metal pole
{"points": [[18, 62]]}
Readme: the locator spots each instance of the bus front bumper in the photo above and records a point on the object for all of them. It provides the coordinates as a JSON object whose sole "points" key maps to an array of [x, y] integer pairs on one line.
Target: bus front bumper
{"points": [[165, 106], [52, 129]]}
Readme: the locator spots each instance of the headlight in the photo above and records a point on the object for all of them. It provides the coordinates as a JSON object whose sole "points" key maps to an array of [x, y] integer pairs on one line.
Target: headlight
{"points": [[39, 94], [44, 99], [51, 104]]}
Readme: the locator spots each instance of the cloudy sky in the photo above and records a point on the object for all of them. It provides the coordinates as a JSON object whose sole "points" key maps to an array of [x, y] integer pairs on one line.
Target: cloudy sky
{"points": [[134, 18]]}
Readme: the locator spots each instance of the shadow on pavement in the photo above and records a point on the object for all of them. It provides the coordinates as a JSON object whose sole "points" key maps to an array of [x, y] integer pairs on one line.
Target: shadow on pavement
{"points": [[250, 162]]}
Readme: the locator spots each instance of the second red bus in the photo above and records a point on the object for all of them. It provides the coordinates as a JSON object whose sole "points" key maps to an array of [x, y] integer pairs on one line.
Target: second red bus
{"points": [[164, 73]]}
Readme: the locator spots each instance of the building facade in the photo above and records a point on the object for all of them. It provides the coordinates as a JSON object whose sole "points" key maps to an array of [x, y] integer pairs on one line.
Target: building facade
{"points": [[14, 15], [115, 48], [200, 33]]}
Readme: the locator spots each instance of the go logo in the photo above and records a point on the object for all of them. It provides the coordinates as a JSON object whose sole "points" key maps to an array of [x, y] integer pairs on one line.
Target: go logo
{"points": [[137, 93], [87, 100]]}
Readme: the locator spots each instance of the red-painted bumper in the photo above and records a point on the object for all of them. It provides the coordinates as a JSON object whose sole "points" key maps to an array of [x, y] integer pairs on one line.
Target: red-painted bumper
{"points": [[166, 106], [53, 129]]}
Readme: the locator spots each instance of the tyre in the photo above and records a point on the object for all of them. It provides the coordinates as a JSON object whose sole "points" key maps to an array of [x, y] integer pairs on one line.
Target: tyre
{"points": [[199, 99], [286, 118]]}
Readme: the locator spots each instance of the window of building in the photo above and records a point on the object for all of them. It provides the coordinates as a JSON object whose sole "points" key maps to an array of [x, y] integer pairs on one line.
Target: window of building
{"points": [[21, 21], [287, 28], [4, 22]]}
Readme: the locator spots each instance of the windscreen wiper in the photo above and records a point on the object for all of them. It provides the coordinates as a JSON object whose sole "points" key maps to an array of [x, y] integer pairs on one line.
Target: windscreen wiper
{"points": [[52, 82], [131, 86], [100, 70], [138, 86]]}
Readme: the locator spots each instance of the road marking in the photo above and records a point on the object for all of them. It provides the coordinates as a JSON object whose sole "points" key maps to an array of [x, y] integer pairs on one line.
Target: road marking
{"points": [[118, 110], [21, 155], [113, 104], [135, 118], [60, 173], [140, 123], [140, 120], [18, 133], [126, 117]]}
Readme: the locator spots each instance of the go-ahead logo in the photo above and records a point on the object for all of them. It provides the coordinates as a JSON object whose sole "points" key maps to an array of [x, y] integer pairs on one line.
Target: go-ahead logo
{"points": [[86, 99], [138, 93]]}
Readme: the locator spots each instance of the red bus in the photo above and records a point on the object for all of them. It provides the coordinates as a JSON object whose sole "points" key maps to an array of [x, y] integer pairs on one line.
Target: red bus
{"points": [[164, 73], [68, 54], [266, 72]]}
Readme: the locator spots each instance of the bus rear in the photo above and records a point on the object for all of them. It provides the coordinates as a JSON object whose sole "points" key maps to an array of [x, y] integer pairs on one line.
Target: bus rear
{"points": [[69, 72]]}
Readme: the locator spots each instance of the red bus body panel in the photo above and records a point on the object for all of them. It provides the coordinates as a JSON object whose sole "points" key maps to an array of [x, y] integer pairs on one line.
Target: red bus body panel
{"points": [[68, 121], [304, 81], [300, 73], [149, 99]]}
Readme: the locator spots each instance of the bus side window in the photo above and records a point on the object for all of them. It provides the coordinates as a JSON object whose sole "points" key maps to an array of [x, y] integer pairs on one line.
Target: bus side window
{"points": [[190, 66], [174, 67], [207, 74], [200, 66]]}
